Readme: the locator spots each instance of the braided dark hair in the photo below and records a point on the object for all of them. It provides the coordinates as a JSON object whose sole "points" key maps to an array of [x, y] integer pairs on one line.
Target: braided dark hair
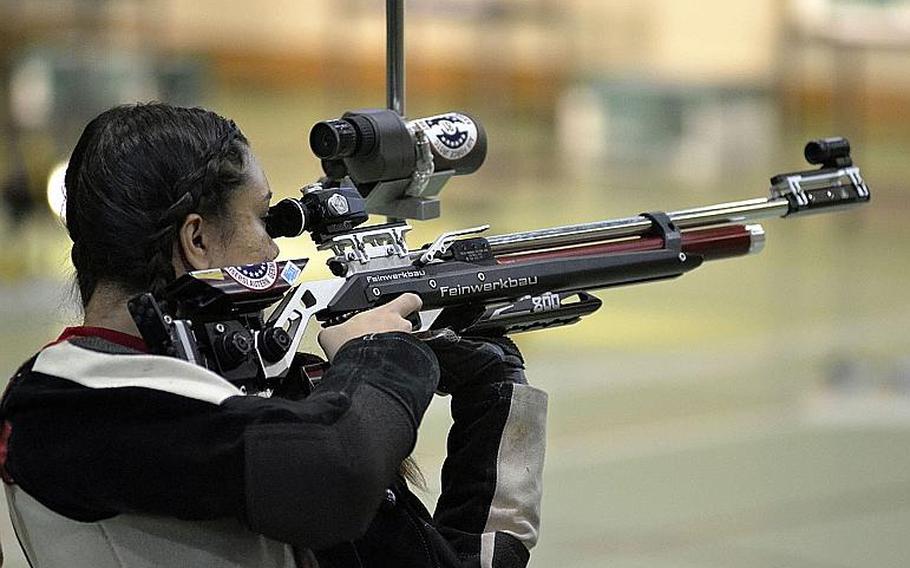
{"points": [[135, 174]]}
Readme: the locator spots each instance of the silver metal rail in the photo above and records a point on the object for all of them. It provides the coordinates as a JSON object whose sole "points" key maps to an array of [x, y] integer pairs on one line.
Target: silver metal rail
{"points": [[722, 213]]}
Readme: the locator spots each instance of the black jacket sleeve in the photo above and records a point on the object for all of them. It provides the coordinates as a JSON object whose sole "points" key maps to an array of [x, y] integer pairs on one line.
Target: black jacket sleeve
{"points": [[311, 472], [367, 409], [488, 512]]}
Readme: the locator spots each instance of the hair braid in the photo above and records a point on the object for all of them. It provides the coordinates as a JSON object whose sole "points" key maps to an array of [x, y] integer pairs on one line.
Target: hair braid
{"points": [[193, 192], [160, 264], [135, 174]]}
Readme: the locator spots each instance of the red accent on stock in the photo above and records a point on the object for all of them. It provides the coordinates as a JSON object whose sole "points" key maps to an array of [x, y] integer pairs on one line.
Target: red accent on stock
{"points": [[712, 244], [316, 370]]}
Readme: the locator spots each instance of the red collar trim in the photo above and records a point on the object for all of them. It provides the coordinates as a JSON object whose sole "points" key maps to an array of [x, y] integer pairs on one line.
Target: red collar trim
{"points": [[111, 335]]}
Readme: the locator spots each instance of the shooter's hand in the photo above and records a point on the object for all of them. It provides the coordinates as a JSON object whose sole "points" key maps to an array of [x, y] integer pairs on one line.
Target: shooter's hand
{"points": [[465, 362], [385, 318]]}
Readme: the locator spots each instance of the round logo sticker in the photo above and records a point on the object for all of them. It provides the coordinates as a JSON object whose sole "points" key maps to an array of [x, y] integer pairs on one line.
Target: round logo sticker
{"points": [[254, 276], [452, 135]]}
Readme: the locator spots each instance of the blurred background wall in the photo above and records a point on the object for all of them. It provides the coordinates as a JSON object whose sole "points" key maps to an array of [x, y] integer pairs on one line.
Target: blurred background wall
{"points": [[754, 413]]}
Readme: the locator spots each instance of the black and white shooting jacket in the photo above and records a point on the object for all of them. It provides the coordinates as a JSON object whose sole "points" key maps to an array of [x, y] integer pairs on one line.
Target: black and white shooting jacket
{"points": [[112, 457]]}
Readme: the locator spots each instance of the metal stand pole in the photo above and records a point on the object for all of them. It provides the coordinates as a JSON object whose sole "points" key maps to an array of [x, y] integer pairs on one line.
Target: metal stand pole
{"points": [[395, 55], [394, 41]]}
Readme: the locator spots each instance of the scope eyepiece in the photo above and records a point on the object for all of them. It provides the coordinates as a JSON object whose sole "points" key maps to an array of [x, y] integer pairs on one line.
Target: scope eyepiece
{"points": [[287, 218], [346, 137], [333, 139], [322, 211], [829, 152]]}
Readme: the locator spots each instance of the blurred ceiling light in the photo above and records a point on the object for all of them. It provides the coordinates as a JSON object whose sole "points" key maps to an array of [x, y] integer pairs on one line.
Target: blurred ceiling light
{"points": [[56, 191], [871, 22], [809, 14]]}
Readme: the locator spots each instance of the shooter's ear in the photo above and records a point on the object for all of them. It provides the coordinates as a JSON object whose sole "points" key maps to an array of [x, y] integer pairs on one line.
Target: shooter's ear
{"points": [[193, 241]]}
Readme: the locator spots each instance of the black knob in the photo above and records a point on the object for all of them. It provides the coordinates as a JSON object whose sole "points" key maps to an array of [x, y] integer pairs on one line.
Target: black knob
{"points": [[333, 139], [233, 348], [366, 134], [829, 152], [274, 344]]}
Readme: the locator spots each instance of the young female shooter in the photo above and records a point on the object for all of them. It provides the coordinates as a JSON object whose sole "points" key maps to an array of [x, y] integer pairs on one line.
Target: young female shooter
{"points": [[113, 457]]}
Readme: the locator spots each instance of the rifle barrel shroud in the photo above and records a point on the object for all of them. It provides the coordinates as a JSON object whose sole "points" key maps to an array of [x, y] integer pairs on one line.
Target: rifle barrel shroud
{"points": [[571, 235], [807, 192]]}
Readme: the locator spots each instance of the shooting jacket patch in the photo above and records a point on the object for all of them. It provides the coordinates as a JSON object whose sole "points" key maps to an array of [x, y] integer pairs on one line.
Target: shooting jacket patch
{"points": [[254, 276]]}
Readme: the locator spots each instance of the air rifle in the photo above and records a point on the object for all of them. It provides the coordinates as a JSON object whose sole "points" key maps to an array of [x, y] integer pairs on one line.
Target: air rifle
{"points": [[474, 284]]}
